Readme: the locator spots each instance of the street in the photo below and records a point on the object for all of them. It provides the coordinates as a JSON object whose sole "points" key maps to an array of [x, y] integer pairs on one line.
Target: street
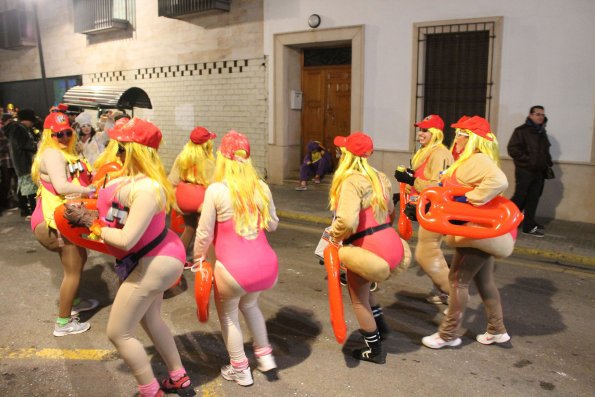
{"points": [[548, 311]]}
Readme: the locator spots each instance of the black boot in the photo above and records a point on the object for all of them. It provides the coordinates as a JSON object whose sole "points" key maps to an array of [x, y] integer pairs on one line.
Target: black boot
{"points": [[373, 352], [380, 323]]}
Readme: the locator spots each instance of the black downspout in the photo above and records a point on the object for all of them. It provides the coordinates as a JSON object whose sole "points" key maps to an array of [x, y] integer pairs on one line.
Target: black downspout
{"points": [[41, 62]]}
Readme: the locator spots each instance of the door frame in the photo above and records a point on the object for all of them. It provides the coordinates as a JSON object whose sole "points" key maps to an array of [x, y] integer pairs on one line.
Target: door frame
{"points": [[283, 152]]}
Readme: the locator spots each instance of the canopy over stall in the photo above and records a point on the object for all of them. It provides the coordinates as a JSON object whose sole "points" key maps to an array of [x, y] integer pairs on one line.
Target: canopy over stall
{"points": [[102, 97]]}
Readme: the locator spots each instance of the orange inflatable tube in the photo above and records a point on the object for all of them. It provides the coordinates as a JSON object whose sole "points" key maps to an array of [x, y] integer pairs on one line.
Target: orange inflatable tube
{"points": [[203, 283], [404, 226], [495, 218], [80, 236], [335, 295], [176, 222]]}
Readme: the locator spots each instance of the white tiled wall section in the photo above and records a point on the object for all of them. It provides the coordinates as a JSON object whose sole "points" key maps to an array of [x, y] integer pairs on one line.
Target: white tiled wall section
{"points": [[220, 96]]}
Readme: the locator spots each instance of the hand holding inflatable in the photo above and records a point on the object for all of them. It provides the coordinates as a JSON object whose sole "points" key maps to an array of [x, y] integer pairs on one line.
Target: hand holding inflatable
{"points": [[495, 218], [80, 235], [335, 296]]}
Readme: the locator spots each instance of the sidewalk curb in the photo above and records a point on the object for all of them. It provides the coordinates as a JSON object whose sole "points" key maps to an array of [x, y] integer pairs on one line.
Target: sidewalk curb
{"points": [[564, 257]]}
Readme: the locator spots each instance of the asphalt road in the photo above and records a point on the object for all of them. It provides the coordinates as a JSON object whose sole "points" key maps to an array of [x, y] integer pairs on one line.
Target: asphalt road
{"points": [[548, 312]]}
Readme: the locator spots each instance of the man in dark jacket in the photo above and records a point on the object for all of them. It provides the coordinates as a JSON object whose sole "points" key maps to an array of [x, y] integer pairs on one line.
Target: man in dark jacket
{"points": [[529, 147], [22, 149]]}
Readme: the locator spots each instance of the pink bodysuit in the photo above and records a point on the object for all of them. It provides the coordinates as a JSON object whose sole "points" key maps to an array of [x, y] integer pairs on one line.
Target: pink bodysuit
{"points": [[114, 215]]}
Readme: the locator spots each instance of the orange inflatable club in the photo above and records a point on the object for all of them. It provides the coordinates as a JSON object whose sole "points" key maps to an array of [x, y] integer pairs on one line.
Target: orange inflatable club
{"points": [[335, 296]]}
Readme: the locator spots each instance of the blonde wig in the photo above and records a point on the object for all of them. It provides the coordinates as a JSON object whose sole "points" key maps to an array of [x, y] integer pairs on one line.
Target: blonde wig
{"points": [[109, 155], [350, 164], [48, 142], [248, 196], [424, 151], [141, 159], [474, 145], [195, 162]]}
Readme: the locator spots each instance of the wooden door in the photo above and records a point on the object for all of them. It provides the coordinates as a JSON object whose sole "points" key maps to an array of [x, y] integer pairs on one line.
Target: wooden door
{"points": [[326, 110]]}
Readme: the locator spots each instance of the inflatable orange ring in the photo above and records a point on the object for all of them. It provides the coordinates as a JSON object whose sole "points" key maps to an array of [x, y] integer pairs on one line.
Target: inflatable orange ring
{"points": [[404, 226], [203, 283], [80, 236], [335, 295], [495, 218]]}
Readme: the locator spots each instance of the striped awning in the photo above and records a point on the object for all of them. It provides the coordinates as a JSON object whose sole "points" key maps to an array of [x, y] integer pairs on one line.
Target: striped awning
{"points": [[101, 97]]}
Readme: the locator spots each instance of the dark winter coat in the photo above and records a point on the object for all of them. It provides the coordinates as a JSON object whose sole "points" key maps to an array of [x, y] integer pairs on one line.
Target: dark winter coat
{"points": [[22, 148], [529, 147]]}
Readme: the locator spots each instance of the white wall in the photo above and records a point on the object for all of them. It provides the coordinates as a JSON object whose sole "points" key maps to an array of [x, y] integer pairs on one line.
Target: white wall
{"points": [[548, 58]]}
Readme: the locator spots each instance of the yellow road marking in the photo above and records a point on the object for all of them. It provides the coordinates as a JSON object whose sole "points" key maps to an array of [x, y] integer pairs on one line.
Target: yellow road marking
{"points": [[60, 354]]}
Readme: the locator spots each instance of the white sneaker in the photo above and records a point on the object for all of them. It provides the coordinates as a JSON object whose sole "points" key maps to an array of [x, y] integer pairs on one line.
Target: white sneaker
{"points": [[266, 363], [71, 328], [242, 378], [488, 339], [434, 341], [83, 306]]}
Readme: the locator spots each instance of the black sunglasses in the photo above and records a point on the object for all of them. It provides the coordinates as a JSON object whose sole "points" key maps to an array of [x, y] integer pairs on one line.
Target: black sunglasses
{"points": [[121, 149], [60, 134]]}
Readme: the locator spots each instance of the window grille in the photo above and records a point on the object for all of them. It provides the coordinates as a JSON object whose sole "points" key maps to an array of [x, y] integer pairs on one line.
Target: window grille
{"points": [[455, 72], [183, 8], [100, 16]]}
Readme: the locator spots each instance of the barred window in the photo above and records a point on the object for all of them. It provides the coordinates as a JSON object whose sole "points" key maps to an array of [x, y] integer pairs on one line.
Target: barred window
{"points": [[455, 71]]}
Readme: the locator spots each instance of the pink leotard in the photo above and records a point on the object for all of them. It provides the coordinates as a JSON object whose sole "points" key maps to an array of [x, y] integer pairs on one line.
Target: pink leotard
{"points": [[114, 215], [385, 243], [252, 263]]}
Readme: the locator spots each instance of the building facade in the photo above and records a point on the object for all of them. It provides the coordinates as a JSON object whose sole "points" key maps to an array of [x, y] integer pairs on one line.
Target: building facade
{"points": [[245, 68]]}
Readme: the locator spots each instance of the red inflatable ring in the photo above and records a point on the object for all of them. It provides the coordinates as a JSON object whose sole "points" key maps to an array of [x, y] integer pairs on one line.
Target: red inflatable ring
{"points": [[495, 218], [80, 236]]}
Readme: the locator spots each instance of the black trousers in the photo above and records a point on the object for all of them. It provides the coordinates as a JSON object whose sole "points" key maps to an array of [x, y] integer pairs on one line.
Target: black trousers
{"points": [[527, 191]]}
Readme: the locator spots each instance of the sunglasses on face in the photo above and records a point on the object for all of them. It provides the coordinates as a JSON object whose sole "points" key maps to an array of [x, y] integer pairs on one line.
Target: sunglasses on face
{"points": [[61, 134], [121, 149]]}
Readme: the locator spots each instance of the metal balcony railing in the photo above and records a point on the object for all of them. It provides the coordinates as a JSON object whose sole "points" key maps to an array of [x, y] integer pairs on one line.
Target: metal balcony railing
{"points": [[182, 8], [99, 16]]}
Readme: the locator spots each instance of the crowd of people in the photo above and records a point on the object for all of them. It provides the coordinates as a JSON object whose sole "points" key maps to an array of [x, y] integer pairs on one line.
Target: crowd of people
{"points": [[225, 205]]}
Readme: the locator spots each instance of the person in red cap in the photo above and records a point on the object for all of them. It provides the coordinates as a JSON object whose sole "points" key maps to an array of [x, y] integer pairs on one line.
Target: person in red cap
{"points": [[361, 198], [237, 208], [58, 171], [131, 221], [477, 167], [461, 138], [191, 174], [427, 164]]}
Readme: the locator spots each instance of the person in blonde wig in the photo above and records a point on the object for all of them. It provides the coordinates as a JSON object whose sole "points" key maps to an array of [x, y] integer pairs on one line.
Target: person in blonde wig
{"points": [[361, 198], [427, 163], [191, 173], [59, 171], [132, 209], [237, 208], [477, 167]]}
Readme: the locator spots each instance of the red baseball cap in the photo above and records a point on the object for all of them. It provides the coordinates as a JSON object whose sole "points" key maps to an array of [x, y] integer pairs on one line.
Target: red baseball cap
{"points": [[357, 143], [139, 131], [479, 126], [460, 122], [431, 121], [231, 143], [200, 135], [56, 122]]}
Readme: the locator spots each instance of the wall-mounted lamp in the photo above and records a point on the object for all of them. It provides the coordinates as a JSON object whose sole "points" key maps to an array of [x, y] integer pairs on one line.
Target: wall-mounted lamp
{"points": [[314, 21]]}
